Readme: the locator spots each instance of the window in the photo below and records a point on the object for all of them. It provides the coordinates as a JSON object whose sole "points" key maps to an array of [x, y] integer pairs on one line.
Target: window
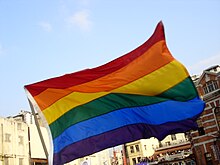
{"points": [[20, 140], [134, 161], [199, 122], [201, 131], [167, 143], [187, 136], [217, 115], [160, 144], [137, 148], [6, 161], [132, 149], [173, 137], [145, 147], [19, 126], [205, 90], [7, 137], [21, 160], [210, 86]]}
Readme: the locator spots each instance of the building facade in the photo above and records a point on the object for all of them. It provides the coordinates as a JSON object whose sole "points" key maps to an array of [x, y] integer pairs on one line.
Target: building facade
{"points": [[205, 140], [14, 143], [174, 148], [140, 150]]}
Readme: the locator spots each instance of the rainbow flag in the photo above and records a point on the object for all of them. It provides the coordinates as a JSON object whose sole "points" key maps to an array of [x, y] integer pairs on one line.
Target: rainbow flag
{"points": [[144, 93]]}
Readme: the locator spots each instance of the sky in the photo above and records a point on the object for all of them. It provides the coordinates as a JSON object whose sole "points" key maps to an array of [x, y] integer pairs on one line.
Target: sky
{"points": [[44, 39]]}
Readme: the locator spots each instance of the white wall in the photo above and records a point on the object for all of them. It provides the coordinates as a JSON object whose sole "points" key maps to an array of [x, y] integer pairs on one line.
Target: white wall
{"points": [[150, 144], [36, 146]]}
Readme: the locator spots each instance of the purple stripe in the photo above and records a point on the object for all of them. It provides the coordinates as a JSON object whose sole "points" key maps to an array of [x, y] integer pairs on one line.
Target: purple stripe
{"points": [[120, 136]]}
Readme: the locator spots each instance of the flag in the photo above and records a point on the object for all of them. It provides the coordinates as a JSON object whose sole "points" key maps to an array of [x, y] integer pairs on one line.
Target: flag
{"points": [[144, 93]]}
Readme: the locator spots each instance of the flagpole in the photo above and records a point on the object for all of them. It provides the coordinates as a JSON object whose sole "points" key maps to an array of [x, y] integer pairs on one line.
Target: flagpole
{"points": [[124, 154], [38, 129]]}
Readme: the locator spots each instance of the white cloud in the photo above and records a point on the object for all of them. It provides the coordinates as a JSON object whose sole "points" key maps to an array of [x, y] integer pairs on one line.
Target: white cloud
{"points": [[80, 19], [46, 26], [204, 64]]}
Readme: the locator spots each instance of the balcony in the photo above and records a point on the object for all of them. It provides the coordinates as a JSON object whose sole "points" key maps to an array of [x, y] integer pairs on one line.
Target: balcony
{"points": [[172, 145], [211, 95]]}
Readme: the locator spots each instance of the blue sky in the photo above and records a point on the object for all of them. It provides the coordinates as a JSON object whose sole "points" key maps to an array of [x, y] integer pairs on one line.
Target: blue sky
{"points": [[43, 39]]}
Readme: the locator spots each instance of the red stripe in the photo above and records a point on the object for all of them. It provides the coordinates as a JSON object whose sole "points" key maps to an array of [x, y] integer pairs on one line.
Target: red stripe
{"points": [[83, 76]]}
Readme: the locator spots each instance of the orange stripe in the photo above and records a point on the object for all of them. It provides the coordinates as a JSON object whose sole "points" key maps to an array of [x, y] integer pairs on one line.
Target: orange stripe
{"points": [[157, 56]]}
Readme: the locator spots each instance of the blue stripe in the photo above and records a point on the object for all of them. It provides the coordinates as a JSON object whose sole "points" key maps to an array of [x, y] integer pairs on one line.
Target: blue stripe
{"points": [[169, 111]]}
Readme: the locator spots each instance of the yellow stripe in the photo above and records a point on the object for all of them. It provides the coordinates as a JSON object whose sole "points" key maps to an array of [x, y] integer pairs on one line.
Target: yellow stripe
{"points": [[152, 84], [156, 82]]}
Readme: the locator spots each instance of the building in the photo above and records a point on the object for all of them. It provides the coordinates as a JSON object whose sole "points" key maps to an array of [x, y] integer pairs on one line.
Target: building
{"points": [[174, 148], [14, 143], [20, 142], [205, 140], [140, 150], [36, 151]]}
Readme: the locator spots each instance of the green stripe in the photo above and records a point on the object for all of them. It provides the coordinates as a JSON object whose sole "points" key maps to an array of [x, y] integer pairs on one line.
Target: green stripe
{"points": [[181, 92]]}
